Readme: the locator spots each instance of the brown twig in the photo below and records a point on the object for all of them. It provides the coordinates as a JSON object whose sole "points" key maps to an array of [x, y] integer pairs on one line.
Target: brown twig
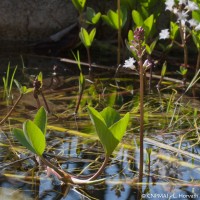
{"points": [[11, 110]]}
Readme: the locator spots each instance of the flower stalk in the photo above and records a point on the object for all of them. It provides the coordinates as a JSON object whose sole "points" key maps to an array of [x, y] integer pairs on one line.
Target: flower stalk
{"points": [[138, 48]]}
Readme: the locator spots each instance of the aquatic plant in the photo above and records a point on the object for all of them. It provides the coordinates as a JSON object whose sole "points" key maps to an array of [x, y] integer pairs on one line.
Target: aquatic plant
{"points": [[185, 25], [116, 20], [81, 82], [32, 136], [163, 72], [137, 46], [8, 83], [110, 129], [87, 40], [91, 16], [147, 24], [79, 5], [194, 22]]}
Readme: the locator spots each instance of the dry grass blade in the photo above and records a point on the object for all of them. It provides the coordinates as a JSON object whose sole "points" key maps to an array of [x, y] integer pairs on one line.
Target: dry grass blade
{"points": [[170, 148]]}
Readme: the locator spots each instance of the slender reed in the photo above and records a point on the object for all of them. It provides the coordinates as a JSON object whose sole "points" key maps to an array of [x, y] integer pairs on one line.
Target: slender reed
{"points": [[11, 110]]}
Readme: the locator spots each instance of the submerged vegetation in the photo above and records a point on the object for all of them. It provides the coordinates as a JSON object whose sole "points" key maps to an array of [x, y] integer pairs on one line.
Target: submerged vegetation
{"points": [[130, 131]]}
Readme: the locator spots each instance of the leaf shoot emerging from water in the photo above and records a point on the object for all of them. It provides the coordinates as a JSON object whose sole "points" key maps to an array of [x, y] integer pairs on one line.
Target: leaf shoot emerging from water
{"points": [[109, 127], [33, 134]]}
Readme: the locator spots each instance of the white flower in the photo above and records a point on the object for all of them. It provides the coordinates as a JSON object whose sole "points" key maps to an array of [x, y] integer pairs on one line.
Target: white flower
{"points": [[192, 6], [182, 17], [197, 28], [169, 5], [193, 22], [147, 64], [130, 63], [164, 34], [175, 10]]}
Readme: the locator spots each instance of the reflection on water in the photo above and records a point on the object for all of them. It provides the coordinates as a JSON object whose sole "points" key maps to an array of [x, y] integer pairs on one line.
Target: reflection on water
{"points": [[73, 145]]}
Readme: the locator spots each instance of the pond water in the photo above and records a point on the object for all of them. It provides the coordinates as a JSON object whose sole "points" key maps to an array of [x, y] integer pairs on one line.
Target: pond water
{"points": [[72, 143]]}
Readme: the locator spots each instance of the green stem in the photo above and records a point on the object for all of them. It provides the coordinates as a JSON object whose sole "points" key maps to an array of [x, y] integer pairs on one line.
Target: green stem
{"points": [[11, 110]]}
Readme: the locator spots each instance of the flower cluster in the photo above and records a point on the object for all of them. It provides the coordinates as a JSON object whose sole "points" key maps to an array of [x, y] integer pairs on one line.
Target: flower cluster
{"points": [[130, 63], [185, 5], [181, 9], [139, 34], [138, 47], [137, 44]]}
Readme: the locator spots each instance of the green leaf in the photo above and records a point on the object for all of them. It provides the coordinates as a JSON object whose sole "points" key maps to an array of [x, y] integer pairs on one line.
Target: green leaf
{"points": [[34, 137], [11, 80], [148, 24], [137, 18], [22, 89], [90, 13], [27, 90], [130, 36], [149, 150], [123, 15], [41, 119], [173, 30], [183, 70], [119, 128], [79, 4], [81, 82], [77, 58], [150, 48], [106, 19], [19, 134], [96, 18], [164, 68], [39, 77], [153, 44], [144, 11], [91, 16], [110, 136], [110, 116], [92, 35], [105, 135], [85, 38], [196, 15], [196, 38], [113, 17], [111, 99]]}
